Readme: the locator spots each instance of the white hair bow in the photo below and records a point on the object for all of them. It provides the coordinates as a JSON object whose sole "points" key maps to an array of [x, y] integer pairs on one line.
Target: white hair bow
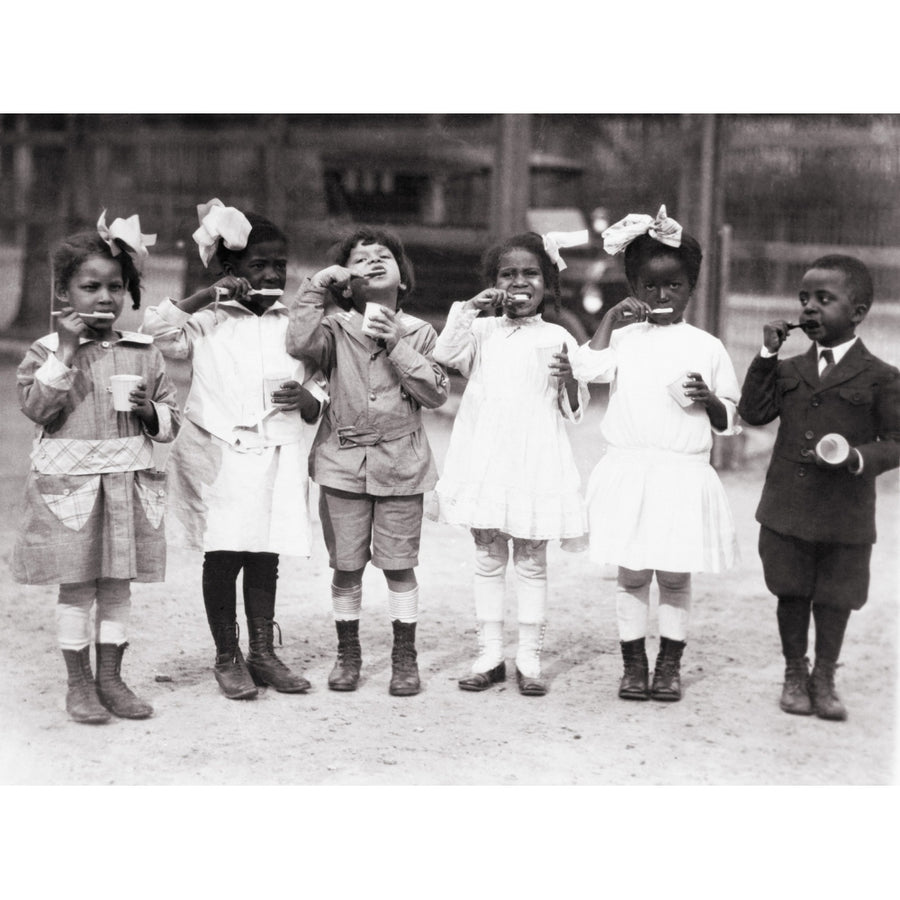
{"points": [[220, 223], [554, 240], [665, 230], [128, 231]]}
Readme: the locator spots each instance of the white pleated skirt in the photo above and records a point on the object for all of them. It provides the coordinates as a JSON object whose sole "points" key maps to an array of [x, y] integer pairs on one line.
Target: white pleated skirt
{"points": [[656, 509]]}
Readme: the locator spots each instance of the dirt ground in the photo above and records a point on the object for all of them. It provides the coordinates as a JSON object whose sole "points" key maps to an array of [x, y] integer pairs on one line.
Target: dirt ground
{"points": [[727, 730]]}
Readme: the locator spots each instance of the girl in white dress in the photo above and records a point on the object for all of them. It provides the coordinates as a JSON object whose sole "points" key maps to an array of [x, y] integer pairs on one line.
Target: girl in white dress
{"points": [[654, 501], [509, 474]]}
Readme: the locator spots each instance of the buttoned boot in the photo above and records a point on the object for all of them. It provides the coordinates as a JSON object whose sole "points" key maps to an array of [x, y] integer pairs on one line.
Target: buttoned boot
{"points": [[825, 702], [795, 692], [404, 667], [345, 673], [230, 669], [666, 684], [82, 703], [528, 659], [113, 693], [635, 680], [264, 666]]}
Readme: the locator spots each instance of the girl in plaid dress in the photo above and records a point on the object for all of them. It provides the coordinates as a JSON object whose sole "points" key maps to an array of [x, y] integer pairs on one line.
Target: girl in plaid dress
{"points": [[94, 505]]}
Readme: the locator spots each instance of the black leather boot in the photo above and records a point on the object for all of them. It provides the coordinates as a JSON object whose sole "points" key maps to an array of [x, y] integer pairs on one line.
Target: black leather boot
{"points": [[635, 680], [404, 668], [825, 702], [230, 670], [264, 666], [82, 703], [114, 694], [345, 673], [666, 684], [795, 692]]}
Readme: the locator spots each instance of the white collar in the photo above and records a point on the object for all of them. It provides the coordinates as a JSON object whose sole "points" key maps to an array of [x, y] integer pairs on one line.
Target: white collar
{"points": [[839, 350]]}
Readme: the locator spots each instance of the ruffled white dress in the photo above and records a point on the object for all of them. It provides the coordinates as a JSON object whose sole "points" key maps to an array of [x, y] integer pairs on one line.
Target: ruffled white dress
{"points": [[509, 465], [654, 500]]}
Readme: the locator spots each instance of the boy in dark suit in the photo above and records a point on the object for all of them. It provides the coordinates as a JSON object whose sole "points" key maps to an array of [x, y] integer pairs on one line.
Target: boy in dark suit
{"points": [[817, 516]]}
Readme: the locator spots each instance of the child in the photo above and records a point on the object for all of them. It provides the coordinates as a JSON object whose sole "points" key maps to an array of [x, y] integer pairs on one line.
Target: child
{"points": [[239, 483], [509, 472], [654, 501], [371, 456], [817, 515], [93, 502]]}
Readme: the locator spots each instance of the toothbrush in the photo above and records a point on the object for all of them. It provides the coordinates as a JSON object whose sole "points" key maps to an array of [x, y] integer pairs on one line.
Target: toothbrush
{"points": [[87, 315]]}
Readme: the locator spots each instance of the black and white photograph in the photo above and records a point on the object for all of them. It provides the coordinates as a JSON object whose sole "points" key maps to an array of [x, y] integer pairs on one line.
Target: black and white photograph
{"points": [[363, 446]]}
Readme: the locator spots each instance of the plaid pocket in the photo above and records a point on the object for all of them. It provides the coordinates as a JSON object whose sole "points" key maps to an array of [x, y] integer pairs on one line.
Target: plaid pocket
{"points": [[72, 506], [151, 490]]}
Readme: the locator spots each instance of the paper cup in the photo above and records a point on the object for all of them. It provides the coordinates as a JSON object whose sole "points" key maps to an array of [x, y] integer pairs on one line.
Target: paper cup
{"points": [[833, 448], [273, 383], [676, 389], [372, 309], [121, 386]]}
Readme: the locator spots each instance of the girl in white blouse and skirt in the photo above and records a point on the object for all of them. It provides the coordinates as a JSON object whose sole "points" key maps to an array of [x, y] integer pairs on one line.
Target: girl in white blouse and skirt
{"points": [[655, 504]]}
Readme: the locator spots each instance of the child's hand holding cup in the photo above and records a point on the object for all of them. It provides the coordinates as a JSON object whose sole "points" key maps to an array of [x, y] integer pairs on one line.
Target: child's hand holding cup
{"points": [[373, 312], [121, 387], [834, 451]]}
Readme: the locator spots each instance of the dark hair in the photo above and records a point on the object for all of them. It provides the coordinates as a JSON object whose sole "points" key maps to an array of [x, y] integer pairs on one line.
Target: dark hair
{"points": [[72, 251], [261, 230], [366, 234], [531, 242], [856, 273], [644, 248]]}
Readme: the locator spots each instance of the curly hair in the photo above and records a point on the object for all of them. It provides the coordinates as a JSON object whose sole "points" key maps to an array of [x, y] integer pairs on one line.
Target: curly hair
{"points": [[859, 280], [644, 248], [72, 251], [533, 243], [366, 234]]}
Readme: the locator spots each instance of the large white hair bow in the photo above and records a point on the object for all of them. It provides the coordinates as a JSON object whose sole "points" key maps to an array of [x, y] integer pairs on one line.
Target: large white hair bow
{"points": [[617, 237], [554, 240], [128, 231], [220, 223]]}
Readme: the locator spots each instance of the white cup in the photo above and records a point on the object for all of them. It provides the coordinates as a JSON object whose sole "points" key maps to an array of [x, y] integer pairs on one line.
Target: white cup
{"points": [[121, 386], [676, 389], [273, 383], [833, 448], [372, 310]]}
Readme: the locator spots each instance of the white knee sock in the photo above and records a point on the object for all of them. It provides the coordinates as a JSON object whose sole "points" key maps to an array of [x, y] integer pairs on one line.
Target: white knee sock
{"points": [[346, 603], [532, 603], [633, 603], [113, 610], [403, 606], [674, 604], [73, 614], [489, 591]]}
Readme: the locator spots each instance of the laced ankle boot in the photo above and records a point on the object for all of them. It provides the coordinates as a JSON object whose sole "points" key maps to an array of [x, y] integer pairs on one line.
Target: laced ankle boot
{"points": [[825, 702], [264, 666], [795, 692], [345, 674], [666, 684], [635, 680], [404, 668], [230, 669], [82, 703], [113, 693]]}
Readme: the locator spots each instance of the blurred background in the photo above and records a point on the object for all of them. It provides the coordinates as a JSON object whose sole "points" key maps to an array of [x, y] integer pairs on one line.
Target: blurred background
{"points": [[765, 194]]}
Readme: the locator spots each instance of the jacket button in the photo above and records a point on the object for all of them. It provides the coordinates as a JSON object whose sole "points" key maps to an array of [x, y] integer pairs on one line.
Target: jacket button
{"points": [[815, 402], [374, 356], [105, 345], [809, 435], [801, 473], [372, 395]]}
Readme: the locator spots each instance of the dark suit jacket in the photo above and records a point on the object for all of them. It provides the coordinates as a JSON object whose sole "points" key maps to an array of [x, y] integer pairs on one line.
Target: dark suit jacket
{"points": [[860, 399]]}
